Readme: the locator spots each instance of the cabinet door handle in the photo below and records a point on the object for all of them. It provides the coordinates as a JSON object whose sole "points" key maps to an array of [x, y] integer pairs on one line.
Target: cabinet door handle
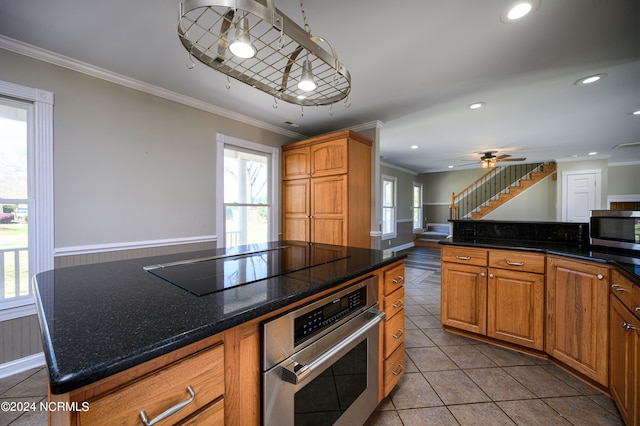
{"points": [[398, 370], [600, 276], [398, 279], [170, 411], [514, 263], [398, 334], [463, 257], [398, 305], [490, 275], [628, 326]]}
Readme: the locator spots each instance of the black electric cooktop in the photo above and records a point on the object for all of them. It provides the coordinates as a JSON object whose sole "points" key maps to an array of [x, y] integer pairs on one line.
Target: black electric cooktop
{"points": [[211, 274]]}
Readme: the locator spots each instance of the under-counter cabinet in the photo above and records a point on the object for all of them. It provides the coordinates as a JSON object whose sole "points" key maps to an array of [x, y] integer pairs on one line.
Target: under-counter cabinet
{"points": [[391, 296], [624, 341], [577, 316], [494, 293], [464, 288], [213, 382], [515, 297], [326, 190]]}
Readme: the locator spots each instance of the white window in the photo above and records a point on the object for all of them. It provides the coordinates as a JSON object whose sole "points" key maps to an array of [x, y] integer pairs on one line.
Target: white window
{"points": [[388, 207], [26, 194], [248, 210], [417, 206]]}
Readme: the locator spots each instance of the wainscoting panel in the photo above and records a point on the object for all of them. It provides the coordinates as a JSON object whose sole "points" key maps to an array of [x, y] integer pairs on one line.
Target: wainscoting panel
{"points": [[20, 338]]}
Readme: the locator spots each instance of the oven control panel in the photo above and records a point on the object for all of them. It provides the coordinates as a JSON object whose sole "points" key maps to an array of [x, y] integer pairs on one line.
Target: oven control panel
{"points": [[324, 316]]}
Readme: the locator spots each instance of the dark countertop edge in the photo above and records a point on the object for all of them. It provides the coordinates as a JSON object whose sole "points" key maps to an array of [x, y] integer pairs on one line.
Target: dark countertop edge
{"points": [[60, 384], [548, 250]]}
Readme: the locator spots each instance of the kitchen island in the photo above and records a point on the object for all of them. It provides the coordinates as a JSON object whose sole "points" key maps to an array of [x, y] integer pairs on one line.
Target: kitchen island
{"points": [[107, 325]]}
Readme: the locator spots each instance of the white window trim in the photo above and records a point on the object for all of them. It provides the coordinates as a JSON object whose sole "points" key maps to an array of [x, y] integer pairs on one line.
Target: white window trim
{"points": [[41, 178], [274, 219], [393, 234], [418, 185]]}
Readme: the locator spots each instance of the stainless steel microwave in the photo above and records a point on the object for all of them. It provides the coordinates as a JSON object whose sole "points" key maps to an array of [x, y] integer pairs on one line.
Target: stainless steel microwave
{"points": [[615, 228]]}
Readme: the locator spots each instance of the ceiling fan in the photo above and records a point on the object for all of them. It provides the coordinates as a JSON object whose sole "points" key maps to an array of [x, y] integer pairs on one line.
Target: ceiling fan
{"points": [[489, 159]]}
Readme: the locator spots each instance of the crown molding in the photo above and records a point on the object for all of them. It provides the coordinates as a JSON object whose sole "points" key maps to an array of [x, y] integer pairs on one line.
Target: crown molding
{"points": [[38, 53]]}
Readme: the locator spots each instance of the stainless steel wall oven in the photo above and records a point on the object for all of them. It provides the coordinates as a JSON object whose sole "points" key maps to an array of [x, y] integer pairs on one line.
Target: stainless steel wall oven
{"points": [[320, 361]]}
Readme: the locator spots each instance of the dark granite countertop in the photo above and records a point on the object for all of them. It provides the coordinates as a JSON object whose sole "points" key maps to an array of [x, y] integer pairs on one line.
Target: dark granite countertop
{"points": [[100, 319], [625, 260]]}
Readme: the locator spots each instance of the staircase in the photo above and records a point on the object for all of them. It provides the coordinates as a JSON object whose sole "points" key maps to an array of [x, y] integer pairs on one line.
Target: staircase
{"points": [[496, 188]]}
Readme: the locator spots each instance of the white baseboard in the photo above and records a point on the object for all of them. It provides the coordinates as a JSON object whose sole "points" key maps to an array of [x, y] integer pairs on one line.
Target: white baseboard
{"points": [[402, 247], [23, 364]]}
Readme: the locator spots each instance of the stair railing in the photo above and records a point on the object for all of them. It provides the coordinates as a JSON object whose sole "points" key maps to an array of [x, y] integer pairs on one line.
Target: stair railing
{"points": [[487, 187]]}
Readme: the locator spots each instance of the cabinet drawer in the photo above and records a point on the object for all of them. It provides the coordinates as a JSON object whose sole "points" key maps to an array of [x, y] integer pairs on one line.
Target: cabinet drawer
{"points": [[161, 390], [467, 255], [393, 278], [517, 261], [393, 369], [212, 415], [393, 334], [622, 288], [393, 303]]}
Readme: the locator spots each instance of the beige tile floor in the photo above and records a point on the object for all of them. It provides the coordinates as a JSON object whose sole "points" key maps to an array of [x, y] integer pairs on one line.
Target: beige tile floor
{"points": [[449, 380]]}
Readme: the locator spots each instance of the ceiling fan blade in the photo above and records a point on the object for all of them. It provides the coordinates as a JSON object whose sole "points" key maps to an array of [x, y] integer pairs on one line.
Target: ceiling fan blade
{"points": [[499, 157], [511, 159]]}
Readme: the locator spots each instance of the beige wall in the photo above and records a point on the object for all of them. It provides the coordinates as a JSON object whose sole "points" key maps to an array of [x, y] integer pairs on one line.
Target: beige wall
{"points": [[624, 180], [129, 166]]}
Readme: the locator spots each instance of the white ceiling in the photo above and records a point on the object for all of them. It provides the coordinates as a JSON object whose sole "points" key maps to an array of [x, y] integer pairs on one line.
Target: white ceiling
{"points": [[415, 66]]}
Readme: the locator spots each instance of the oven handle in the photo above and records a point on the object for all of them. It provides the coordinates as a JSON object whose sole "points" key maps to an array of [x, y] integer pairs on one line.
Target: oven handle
{"points": [[296, 373]]}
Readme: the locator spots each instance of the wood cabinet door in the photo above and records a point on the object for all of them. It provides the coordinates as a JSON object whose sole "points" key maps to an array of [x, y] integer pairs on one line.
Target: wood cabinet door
{"points": [[577, 316], [464, 297], [329, 210], [329, 158], [296, 210], [515, 307], [296, 163], [621, 341]]}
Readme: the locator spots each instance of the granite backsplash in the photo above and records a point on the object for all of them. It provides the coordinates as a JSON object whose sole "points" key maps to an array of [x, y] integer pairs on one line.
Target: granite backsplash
{"points": [[550, 232]]}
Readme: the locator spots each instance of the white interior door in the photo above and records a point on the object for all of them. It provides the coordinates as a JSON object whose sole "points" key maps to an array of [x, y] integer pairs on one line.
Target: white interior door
{"points": [[581, 194]]}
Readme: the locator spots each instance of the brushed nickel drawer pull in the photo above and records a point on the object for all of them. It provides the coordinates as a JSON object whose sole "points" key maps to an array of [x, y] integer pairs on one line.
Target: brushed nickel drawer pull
{"points": [[615, 285], [637, 309], [463, 257], [398, 280], [628, 326], [514, 263], [398, 370], [399, 334], [620, 289], [170, 411], [398, 305]]}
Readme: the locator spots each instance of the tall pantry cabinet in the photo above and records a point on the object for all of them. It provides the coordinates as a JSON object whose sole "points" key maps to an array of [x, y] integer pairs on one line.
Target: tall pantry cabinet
{"points": [[326, 190]]}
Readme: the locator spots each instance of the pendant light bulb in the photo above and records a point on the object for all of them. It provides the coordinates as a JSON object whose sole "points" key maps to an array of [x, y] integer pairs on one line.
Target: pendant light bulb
{"points": [[241, 45], [306, 82]]}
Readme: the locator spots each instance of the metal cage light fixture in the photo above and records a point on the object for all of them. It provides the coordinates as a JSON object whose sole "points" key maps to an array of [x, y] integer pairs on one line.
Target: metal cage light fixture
{"points": [[276, 54]]}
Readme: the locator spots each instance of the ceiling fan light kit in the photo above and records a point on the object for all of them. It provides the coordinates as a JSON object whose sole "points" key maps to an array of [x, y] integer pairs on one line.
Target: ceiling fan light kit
{"points": [[275, 54]]}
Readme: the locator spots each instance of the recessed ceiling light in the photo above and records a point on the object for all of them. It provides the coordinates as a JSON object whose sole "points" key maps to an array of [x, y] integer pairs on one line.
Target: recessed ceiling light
{"points": [[519, 10], [450, 166], [590, 79], [592, 153], [636, 113], [477, 105], [414, 146]]}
